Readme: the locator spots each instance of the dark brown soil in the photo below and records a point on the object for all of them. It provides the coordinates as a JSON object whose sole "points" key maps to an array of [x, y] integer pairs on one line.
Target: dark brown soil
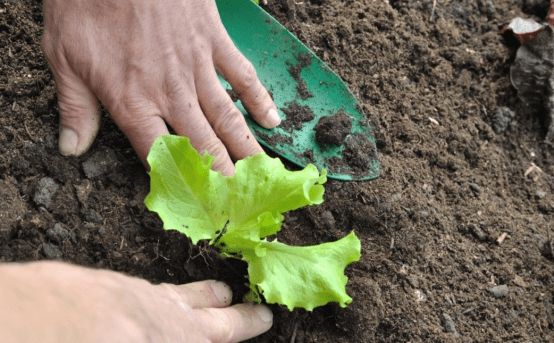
{"points": [[297, 115], [432, 80], [332, 130], [303, 61]]}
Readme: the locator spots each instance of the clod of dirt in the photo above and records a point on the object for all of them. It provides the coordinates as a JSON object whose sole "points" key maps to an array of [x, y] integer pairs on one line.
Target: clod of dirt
{"points": [[532, 75], [297, 115], [448, 324], [100, 163], [58, 233], [45, 191], [295, 71], [499, 291], [333, 130], [11, 207], [502, 118], [51, 251]]}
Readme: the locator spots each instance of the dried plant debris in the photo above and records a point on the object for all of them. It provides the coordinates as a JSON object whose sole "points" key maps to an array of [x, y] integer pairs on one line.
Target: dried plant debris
{"points": [[531, 73]]}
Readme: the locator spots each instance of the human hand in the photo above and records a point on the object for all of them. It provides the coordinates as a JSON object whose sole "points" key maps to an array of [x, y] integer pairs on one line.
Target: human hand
{"points": [[151, 63], [55, 302]]}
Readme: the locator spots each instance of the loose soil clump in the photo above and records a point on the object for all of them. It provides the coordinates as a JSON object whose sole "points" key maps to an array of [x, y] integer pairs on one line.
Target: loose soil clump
{"points": [[333, 130]]}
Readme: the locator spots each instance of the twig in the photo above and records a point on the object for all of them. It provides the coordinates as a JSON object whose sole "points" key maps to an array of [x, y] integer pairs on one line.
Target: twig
{"points": [[433, 10]]}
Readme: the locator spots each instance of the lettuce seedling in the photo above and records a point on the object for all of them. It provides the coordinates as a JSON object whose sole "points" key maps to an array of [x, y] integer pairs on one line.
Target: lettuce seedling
{"points": [[239, 214]]}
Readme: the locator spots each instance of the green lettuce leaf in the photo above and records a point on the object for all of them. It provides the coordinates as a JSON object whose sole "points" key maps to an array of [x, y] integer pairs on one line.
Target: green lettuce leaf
{"points": [[236, 213], [305, 277]]}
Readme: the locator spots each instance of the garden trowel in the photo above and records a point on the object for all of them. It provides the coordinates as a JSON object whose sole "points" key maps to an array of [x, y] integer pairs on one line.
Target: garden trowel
{"points": [[321, 122]]}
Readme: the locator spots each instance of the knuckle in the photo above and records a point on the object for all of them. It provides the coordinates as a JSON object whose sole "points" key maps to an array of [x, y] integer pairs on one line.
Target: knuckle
{"points": [[248, 77], [213, 146], [229, 121]]}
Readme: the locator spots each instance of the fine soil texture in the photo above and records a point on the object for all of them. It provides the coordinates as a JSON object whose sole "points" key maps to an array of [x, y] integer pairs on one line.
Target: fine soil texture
{"points": [[456, 234]]}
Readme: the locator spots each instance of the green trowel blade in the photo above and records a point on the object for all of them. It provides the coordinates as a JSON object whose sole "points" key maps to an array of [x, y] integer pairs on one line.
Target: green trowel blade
{"points": [[295, 76]]}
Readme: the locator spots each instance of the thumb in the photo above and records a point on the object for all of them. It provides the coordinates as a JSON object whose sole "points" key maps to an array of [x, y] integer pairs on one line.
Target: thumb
{"points": [[79, 115]]}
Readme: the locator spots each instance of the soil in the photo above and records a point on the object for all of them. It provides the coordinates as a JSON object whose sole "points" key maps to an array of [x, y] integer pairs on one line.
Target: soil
{"points": [[431, 79], [303, 61], [297, 115], [332, 130]]}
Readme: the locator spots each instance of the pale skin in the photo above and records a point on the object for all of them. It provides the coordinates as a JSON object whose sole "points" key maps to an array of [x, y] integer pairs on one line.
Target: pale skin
{"points": [[153, 65]]}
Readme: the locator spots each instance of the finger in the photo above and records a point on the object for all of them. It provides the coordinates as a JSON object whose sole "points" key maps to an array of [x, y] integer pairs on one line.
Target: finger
{"points": [[79, 113], [226, 119], [141, 123], [208, 293], [242, 76], [236, 323], [187, 119]]}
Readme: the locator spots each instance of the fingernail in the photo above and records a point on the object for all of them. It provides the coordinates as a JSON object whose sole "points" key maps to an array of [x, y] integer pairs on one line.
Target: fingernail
{"points": [[264, 313], [68, 141], [273, 117], [222, 292]]}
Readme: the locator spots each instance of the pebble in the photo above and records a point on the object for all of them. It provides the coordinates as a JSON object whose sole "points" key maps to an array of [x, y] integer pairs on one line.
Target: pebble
{"points": [[499, 291], [46, 189], [518, 281], [475, 188], [477, 232], [540, 194], [100, 163], [448, 324], [502, 118], [58, 233], [51, 251]]}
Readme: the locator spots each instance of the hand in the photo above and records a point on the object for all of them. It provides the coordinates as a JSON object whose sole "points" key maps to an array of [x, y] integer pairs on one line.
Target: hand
{"points": [[55, 302], [151, 63]]}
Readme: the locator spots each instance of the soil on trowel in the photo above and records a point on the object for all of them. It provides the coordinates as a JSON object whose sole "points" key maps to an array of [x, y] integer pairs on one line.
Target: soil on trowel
{"points": [[333, 130], [303, 61], [456, 234], [297, 115]]}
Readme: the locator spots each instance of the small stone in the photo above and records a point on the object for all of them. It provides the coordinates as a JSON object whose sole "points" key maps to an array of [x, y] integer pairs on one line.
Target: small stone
{"points": [[475, 188], [448, 324], [499, 291], [540, 194], [502, 118], [46, 189], [51, 251], [477, 232], [58, 233], [518, 281], [100, 163]]}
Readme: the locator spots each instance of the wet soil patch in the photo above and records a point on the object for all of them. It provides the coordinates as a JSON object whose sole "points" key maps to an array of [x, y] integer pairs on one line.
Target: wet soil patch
{"points": [[333, 130], [297, 115], [303, 61]]}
